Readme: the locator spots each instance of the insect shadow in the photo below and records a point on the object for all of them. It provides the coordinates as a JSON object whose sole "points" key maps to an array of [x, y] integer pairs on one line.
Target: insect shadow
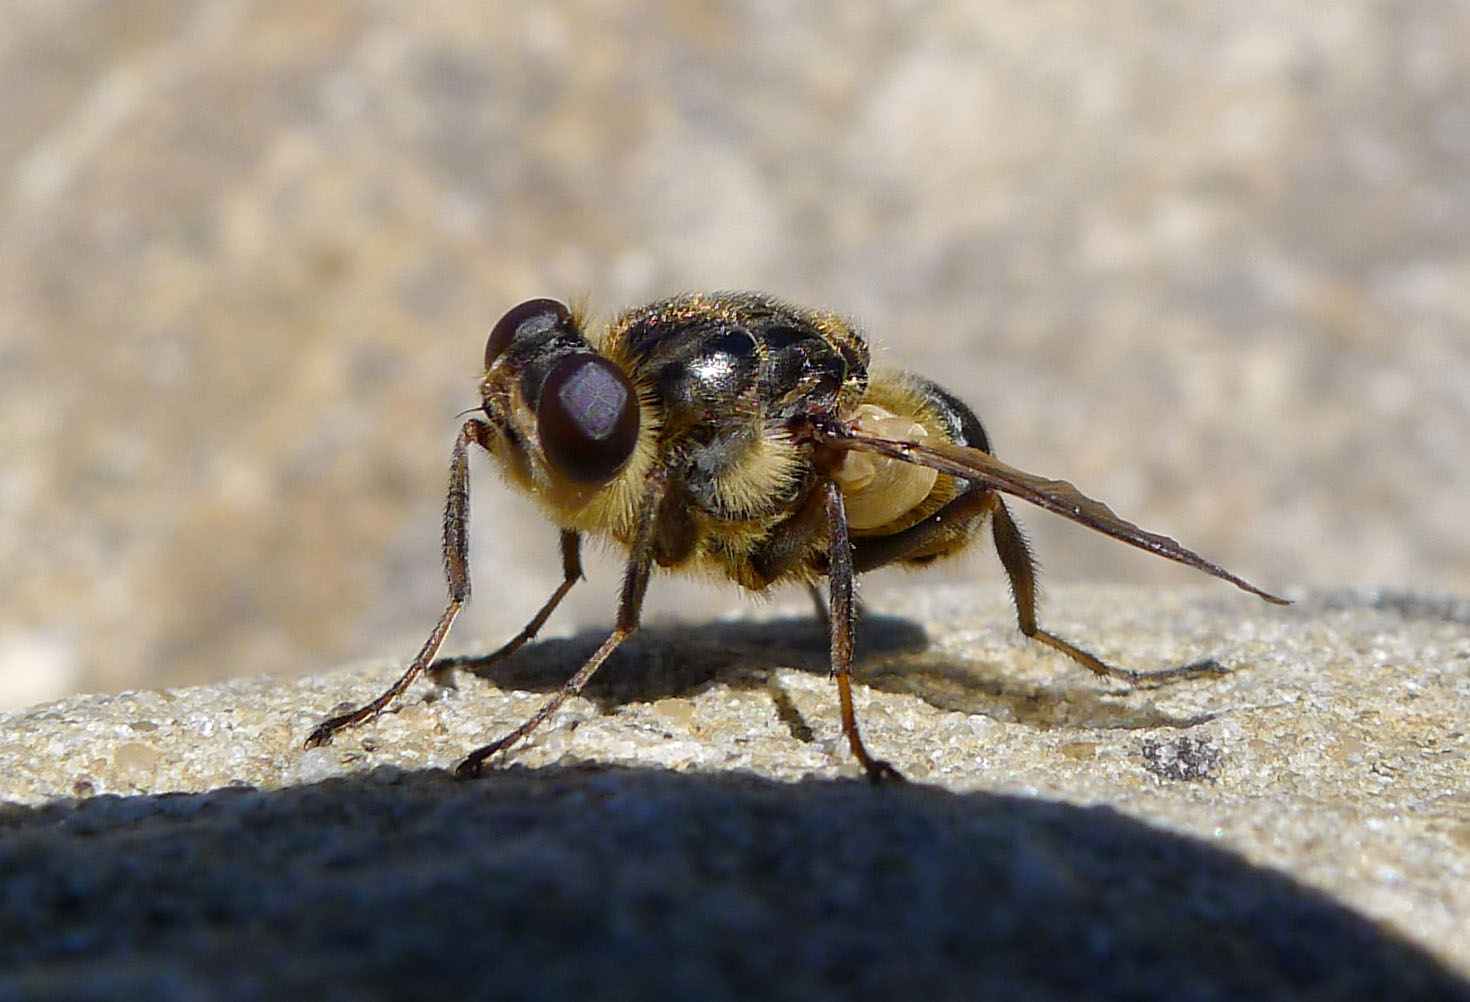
{"points": [[679, 660], [893, 654]]}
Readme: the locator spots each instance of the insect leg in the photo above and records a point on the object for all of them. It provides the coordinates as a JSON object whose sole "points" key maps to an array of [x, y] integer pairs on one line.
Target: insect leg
{"points": [[456, 570], [1020, 567], [872, 552], [819, 606], [571, 569], [787, 543], [841, 621], [630, 609]]}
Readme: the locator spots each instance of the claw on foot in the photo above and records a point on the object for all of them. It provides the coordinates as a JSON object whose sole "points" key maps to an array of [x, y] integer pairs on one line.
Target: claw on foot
{"points": [[880, 772]]}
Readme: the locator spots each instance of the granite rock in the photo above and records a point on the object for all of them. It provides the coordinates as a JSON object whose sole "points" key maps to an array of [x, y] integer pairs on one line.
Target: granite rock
{"points": [[1298, 827]]}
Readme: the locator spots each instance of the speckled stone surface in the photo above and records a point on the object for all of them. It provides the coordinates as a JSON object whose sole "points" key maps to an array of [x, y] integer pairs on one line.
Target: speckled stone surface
{"points": [[1207, 260], [1298, 828]]}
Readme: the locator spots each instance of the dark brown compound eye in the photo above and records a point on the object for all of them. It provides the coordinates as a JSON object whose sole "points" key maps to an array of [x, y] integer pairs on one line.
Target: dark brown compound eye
{"points": [[587, 418], [534, 316]]}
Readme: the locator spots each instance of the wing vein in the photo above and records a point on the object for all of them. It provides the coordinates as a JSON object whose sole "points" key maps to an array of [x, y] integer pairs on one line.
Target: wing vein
{"points": [[1056, 496]]}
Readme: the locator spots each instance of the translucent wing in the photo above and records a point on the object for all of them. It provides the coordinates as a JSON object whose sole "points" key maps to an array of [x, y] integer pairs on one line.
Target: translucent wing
{"points": [[1054, 495]]}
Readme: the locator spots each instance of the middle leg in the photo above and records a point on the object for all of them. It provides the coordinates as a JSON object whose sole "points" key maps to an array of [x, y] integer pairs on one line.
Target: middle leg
{"points": [[571, 569], [840, 617]]}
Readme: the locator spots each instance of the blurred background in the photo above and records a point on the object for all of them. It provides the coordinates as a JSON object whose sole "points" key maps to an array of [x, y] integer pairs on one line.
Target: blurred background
{"points": [[1209, 261]]}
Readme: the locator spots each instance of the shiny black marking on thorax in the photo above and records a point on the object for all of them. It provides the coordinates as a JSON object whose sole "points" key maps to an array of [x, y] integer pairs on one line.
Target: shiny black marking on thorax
{"points": [[754, 355], [729, 371]]}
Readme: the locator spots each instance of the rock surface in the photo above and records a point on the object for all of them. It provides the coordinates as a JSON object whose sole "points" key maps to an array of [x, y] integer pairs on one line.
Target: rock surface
{"points": [[1297, 828]]}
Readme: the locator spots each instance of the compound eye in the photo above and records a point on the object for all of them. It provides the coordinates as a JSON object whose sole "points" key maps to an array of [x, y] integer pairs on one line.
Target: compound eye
{"points": [[534, 316], [587, 418]]}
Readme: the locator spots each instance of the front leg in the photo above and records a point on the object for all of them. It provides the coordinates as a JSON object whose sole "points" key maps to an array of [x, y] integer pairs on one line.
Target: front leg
{"points": [[456, 571], [630, 611]]}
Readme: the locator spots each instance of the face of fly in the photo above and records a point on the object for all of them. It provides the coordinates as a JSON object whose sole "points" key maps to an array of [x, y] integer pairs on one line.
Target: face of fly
{"points": [[569, 423]]}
